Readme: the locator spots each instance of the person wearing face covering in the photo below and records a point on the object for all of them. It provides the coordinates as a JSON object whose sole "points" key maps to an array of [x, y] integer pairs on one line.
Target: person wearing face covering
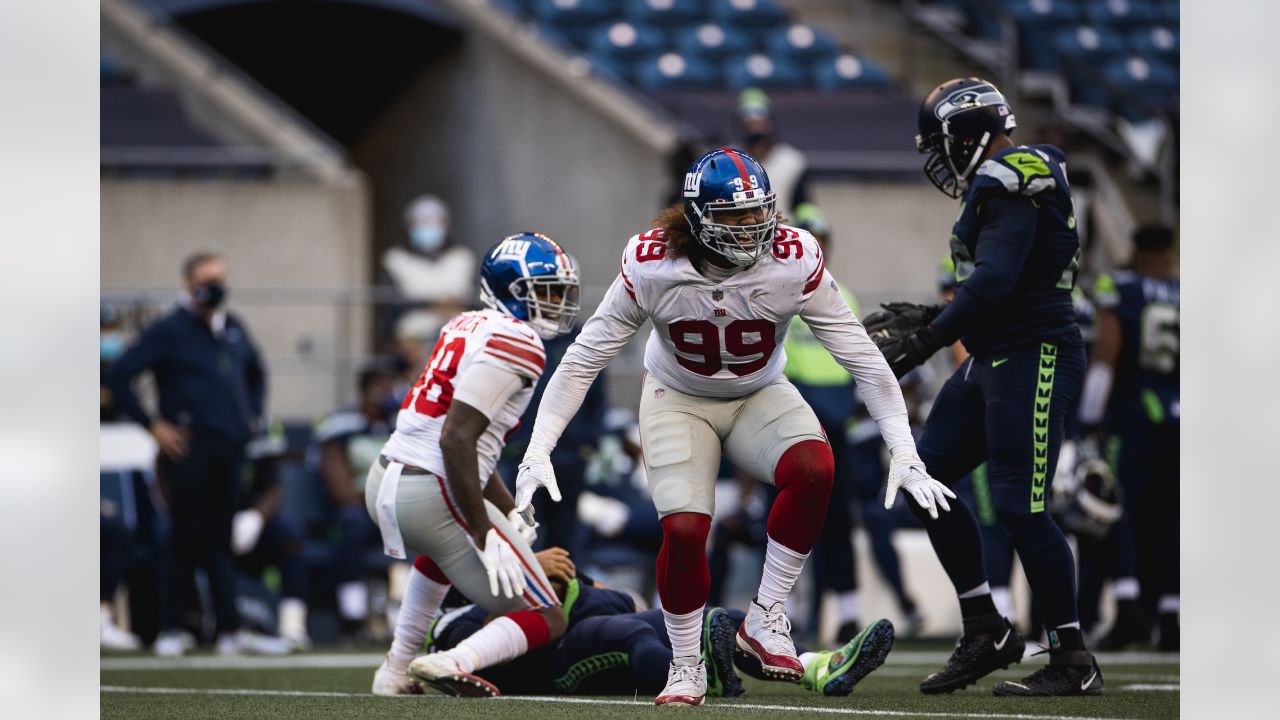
{"points": [[211, 388], [788, 169], [433, 276]]}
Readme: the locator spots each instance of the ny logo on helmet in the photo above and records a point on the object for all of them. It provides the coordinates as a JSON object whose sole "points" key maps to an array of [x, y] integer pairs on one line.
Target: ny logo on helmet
{"points": [[691, 183], [511, 248]]}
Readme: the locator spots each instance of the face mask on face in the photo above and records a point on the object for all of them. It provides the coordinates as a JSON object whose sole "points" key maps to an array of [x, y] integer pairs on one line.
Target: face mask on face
{"points": [[427, 238], [209, 295], [110, 346]]}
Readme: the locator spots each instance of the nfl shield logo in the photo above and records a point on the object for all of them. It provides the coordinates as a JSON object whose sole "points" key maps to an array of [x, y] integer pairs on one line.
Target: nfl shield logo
{"points": [[717, 295], [659, 393]]}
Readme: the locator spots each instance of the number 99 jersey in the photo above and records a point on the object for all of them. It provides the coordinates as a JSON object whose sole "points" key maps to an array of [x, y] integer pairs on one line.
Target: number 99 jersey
{"points": [[484, 337], [719, 339]]}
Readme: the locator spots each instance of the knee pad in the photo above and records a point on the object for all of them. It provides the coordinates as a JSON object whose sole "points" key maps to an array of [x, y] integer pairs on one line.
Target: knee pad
{"points": [[807, 465]]}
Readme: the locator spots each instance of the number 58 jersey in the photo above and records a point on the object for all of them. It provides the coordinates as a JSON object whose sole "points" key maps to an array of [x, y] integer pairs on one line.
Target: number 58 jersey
{"points": [[484, 337], [716, 336]]}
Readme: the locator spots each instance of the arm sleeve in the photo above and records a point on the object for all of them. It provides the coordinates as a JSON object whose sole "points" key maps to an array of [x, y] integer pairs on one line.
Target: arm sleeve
{"points": [[255, 379], [834, 325], [1004, 242], [142, 356], [487, 387], [614, 323]]}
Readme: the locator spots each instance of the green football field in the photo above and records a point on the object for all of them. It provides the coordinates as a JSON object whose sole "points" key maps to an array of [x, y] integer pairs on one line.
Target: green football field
{"points": [[321, 685]]}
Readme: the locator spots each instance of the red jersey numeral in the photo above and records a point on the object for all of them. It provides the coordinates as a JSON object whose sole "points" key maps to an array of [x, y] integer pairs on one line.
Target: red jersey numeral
{"points": [[786, 244], [433, 392], [741, 339]]}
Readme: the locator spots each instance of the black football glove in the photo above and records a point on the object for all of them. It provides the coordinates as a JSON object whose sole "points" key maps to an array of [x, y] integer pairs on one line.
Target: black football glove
{"points": [[899, 319], [909, 351]]}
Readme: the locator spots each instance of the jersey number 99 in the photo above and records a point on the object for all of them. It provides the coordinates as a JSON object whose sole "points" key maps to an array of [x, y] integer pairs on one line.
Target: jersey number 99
{"points": [[704, 341]]}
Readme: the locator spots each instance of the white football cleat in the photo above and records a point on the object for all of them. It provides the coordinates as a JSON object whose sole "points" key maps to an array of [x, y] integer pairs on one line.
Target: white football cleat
{"points": [[686, 683], [173, 643], [766, 635], [247, 642], [113, 637], [442, 673], [389, 680]]}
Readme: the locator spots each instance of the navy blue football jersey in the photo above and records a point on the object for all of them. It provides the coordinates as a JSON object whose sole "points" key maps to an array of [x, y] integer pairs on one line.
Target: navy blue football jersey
{"points": [[1016, 253], [1147, 373]]}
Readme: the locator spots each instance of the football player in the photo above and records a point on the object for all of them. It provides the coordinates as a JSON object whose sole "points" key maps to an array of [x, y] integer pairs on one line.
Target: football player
{"points": [[1016, 253], [427, 492], [720, 278], [1133, 378]]}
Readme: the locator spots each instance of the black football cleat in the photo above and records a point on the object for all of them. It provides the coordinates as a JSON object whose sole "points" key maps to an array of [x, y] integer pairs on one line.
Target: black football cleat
{"points": [[975, 657], [1071, 673], [1130, 628], [719, 634]]}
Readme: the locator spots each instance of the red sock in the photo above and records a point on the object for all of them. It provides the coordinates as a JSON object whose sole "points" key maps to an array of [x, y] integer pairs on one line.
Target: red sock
{"points": [[428, 567], [536, 631], [803, 478], [684, 580]]}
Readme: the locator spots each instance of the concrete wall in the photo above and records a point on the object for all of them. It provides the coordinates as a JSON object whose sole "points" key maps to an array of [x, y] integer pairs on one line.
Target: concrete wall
{"points": [[294, 248]]}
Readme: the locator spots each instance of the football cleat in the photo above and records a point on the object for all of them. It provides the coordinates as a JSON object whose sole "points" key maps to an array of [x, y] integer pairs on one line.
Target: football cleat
{"points": [[247, 642], [388, 681], [975, 657], [1071, 673], [835, 672], [1130, 628], [765, 634], [717, 654], [686, 683], [113, 637], [442, 673]]}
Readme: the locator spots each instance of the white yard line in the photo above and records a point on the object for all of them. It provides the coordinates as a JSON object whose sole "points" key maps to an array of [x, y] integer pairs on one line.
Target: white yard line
{"points": [[371, 661], [594, 701], [1166, 688]]}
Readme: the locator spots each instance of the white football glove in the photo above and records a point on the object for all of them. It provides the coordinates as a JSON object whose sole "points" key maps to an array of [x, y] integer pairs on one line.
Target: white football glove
{"points": [[906, 471], [535, 472], [246, 528], [502, 563], [524, 524]]}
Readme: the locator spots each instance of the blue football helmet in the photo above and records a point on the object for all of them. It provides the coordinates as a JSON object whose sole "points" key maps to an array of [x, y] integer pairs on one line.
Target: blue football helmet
{"points": [[957, 122], [730, 206], [528, 277]]}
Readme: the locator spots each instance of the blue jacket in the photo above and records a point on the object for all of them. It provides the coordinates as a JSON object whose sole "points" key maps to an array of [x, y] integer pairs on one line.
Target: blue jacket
{"points": [[209, 383]]}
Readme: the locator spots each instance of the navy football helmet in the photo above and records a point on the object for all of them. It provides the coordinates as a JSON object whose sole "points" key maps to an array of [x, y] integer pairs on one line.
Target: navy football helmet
{"points": [[957, 122], [730, 206], [528, 277]]}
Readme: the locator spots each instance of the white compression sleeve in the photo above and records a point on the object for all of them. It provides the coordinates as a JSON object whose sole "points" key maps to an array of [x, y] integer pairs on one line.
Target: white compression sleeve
{"points": [[487, 387], [836, 327], [615, 322], [1097, 388]]}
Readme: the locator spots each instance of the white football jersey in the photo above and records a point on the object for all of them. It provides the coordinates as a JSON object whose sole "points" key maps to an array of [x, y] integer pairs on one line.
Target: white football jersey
{"points": [[720, 339], [484, 336]]}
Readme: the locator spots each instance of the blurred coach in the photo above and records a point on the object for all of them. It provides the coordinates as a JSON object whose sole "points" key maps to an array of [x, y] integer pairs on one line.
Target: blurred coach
{"points": [[211, 386]]}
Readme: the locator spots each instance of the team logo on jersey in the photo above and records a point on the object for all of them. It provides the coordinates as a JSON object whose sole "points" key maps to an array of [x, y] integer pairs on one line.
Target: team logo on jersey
{"points": [[659, 393]]}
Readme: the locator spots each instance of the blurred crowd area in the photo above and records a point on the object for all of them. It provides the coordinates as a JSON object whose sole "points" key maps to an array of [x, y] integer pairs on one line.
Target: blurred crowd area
{"points": [[355, 209]]}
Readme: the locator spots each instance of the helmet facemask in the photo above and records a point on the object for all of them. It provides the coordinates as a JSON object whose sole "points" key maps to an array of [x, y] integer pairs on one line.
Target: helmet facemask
{"points": [[551, 301], [951, 160], [739, 231]]}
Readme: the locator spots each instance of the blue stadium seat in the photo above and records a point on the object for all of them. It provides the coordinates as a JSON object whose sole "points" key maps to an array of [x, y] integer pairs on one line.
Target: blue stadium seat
{"points": [[713, 41], [665, 13], [1123, 14], [1171, 11], [519, 8], [622, 41], [673, 71], [1160, 42], [1141, 88], [747, 13], [573, 19], [1039, 21], [1089, 44], [762, 71], [846, 72], [800, 43]]}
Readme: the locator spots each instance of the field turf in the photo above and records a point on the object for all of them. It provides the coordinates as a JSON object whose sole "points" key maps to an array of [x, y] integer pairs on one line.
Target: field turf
{"points": [[325, 685]]}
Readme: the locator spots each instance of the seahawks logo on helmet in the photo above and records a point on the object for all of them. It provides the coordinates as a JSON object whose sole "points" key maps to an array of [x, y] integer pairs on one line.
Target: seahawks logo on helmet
{"points": [[967, 98]]}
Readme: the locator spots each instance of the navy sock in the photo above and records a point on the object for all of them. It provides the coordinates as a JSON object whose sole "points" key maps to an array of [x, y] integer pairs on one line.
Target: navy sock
{"points": [[1049, 566], [1066, 639]]}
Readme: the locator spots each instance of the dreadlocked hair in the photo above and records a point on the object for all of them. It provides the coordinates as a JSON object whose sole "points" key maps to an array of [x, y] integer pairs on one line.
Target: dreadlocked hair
{"points": [[680, 239]]}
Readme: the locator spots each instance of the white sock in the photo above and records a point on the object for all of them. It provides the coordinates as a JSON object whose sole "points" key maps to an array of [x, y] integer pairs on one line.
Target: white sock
{"points": [[293, 618], [983, 589], [353, 601], [1169, 604], [493, 644], [805, 657], [847, 606], [782, 566], [422, 598], [1003, 600], [1126, 588], [685, 632]]}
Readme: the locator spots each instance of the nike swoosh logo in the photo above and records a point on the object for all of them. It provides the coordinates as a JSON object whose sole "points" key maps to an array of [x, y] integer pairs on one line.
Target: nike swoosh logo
{"points": [[1088, 681], [1003, 640], [998, 363]]}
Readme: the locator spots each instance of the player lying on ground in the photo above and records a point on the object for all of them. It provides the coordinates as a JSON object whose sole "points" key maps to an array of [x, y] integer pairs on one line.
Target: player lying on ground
{"points": [[721, 279], [1016, 254], [426, 491], [609, 649]]}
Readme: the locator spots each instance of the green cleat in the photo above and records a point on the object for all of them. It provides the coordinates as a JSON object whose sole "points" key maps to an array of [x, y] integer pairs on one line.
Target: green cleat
{"points": [[835, 672], [718, 632]]}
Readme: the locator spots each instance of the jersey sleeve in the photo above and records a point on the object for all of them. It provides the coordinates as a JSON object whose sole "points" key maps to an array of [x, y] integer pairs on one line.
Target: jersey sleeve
{"points": [[835, 326], [487, 386], [1106, 294], [1024, 172], [801, 247], [608, 330], [513, 346]]}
